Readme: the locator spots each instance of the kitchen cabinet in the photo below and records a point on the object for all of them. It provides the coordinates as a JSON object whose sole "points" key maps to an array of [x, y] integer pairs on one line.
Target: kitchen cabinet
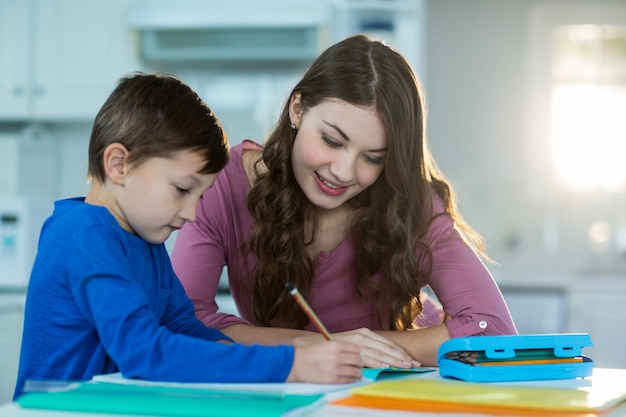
{"points": [[60, 59], [11, 323], [537, 309], [597, 307], [577, 303], [14, 51]]}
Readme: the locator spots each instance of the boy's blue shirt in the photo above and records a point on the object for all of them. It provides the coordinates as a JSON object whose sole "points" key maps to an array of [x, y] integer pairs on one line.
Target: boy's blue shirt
{"points": [[103, 300]]}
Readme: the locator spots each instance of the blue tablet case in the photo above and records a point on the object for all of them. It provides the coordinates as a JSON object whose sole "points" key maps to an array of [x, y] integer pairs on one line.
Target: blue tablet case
{"points": [[515, 358]]}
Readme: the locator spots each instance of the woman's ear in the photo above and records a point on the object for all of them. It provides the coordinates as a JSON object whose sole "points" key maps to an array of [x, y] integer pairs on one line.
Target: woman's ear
{"points": [[115, 162], [295, 109]]}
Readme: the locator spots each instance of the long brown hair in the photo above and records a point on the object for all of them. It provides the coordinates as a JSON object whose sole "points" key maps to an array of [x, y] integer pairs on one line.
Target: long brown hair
{"points": [[391, 216]]}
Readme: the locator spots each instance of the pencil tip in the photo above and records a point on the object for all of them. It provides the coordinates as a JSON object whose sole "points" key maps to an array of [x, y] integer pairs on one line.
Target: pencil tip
{"points": [[289, 285]]}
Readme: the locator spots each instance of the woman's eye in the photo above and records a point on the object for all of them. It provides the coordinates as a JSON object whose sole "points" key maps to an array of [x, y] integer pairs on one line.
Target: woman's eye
{"points": [[373, 159], [330, 142]]}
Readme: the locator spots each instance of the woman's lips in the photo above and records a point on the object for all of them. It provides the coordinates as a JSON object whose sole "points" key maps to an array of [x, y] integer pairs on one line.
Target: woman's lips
{"points": [[328, 187]]}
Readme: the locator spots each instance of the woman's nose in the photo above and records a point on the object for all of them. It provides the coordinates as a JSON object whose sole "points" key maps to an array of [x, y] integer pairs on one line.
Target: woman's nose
{"points": [[343, 168]]}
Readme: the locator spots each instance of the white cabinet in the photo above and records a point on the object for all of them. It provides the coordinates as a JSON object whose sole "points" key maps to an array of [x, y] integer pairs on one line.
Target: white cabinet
{"points": [[597, 307], [14, 51], [574, 303], [11, 323], [60, 59], [537, 309]]}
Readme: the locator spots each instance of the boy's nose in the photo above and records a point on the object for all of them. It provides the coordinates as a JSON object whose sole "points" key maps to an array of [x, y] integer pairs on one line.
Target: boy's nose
{"points": [[188, 213]]}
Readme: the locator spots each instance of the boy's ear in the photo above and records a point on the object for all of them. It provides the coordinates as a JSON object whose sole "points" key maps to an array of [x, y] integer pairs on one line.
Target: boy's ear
{"points": [[115, 162], [295, 109]]}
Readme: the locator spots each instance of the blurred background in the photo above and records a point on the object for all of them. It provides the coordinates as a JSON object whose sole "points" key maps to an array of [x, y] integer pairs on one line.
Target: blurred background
{"points": [[526, 102]]}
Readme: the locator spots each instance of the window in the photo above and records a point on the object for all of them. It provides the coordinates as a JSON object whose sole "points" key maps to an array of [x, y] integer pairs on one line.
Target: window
{"points": [[588, 106]]}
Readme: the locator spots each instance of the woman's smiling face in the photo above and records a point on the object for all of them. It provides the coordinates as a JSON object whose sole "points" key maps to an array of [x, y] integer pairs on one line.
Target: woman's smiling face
{"points": [[338, 152]]}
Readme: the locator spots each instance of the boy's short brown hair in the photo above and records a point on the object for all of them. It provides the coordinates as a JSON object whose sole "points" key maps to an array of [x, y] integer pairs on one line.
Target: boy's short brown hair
{"points": [[156, 115]]}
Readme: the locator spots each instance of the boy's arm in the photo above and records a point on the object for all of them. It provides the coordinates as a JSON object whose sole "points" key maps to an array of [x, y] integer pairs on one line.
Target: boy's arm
{"points": [[127, 316], [179, 316], [142, 348]]}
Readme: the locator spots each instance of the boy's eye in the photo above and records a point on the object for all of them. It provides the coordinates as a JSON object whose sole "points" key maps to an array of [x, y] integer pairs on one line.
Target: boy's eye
{"points": [[181, 190]]}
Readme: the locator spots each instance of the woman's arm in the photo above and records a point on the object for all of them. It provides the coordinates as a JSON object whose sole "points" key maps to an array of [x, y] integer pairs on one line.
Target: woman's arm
{"points": [[470, 297], [468, 293], [198, 260], [422, 344], [376, 350]]}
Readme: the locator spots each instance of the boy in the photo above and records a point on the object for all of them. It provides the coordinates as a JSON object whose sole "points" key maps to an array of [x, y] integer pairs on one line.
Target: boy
{"points": [[103, 297]]}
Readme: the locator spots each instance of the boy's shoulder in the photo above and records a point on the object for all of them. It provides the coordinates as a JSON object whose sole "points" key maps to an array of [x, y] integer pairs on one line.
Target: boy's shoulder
{"points": [[77, 206], [75, 213]]}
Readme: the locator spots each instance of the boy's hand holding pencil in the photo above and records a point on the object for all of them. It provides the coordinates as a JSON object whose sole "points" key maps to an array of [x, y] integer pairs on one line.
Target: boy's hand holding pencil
{"points": [[333, 362]]}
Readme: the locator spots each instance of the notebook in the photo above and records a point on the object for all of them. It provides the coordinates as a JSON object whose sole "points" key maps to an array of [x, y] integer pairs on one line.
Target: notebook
{"points": [[595, 395], [167, 401]]}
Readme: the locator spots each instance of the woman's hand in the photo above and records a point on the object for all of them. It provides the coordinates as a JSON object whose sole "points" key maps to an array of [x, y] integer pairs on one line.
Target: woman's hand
{"points": [[377, 351]]}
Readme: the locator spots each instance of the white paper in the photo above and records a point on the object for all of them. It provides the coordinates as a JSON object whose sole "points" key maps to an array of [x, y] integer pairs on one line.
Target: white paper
{"points": [[262, 387]]}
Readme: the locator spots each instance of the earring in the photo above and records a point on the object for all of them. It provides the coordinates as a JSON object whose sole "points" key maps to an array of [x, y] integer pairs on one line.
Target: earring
{"points": [[292, 126]]}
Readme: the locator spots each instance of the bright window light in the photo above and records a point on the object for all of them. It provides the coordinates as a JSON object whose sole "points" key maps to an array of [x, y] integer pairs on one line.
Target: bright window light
{"points": [[588, 133]]}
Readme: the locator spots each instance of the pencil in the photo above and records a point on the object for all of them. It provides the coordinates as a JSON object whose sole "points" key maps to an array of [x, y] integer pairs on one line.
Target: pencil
{"points": [[533, 362], [307, 309]]}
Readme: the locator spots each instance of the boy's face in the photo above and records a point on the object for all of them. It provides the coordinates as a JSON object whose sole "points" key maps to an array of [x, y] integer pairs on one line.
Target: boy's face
{"points": [[161, 194]]}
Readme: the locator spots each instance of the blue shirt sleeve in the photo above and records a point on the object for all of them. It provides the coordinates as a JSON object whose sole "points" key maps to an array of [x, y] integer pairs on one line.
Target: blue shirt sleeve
{"points": [[125, 314], [179, 315]]}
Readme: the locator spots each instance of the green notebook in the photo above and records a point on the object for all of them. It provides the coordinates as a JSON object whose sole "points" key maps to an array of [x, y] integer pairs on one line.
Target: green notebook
{"points": [[166, 401]]}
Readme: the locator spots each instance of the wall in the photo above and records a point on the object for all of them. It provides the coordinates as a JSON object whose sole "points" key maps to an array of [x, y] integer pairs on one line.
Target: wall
{"points": [[483, 133], [477, 70], [478, 85]]}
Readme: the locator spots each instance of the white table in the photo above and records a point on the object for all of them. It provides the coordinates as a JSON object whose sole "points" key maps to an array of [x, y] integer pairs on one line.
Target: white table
{"points": [[617, 376]]}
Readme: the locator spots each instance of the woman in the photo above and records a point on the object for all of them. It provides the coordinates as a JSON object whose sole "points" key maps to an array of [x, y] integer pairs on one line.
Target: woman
{"points": [[345, 201]]}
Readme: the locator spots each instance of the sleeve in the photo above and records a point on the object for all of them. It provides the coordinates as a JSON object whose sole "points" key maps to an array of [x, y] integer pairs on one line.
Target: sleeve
{"points": [[118, 307], [198, 258], [464, 286], [179, 314]]}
